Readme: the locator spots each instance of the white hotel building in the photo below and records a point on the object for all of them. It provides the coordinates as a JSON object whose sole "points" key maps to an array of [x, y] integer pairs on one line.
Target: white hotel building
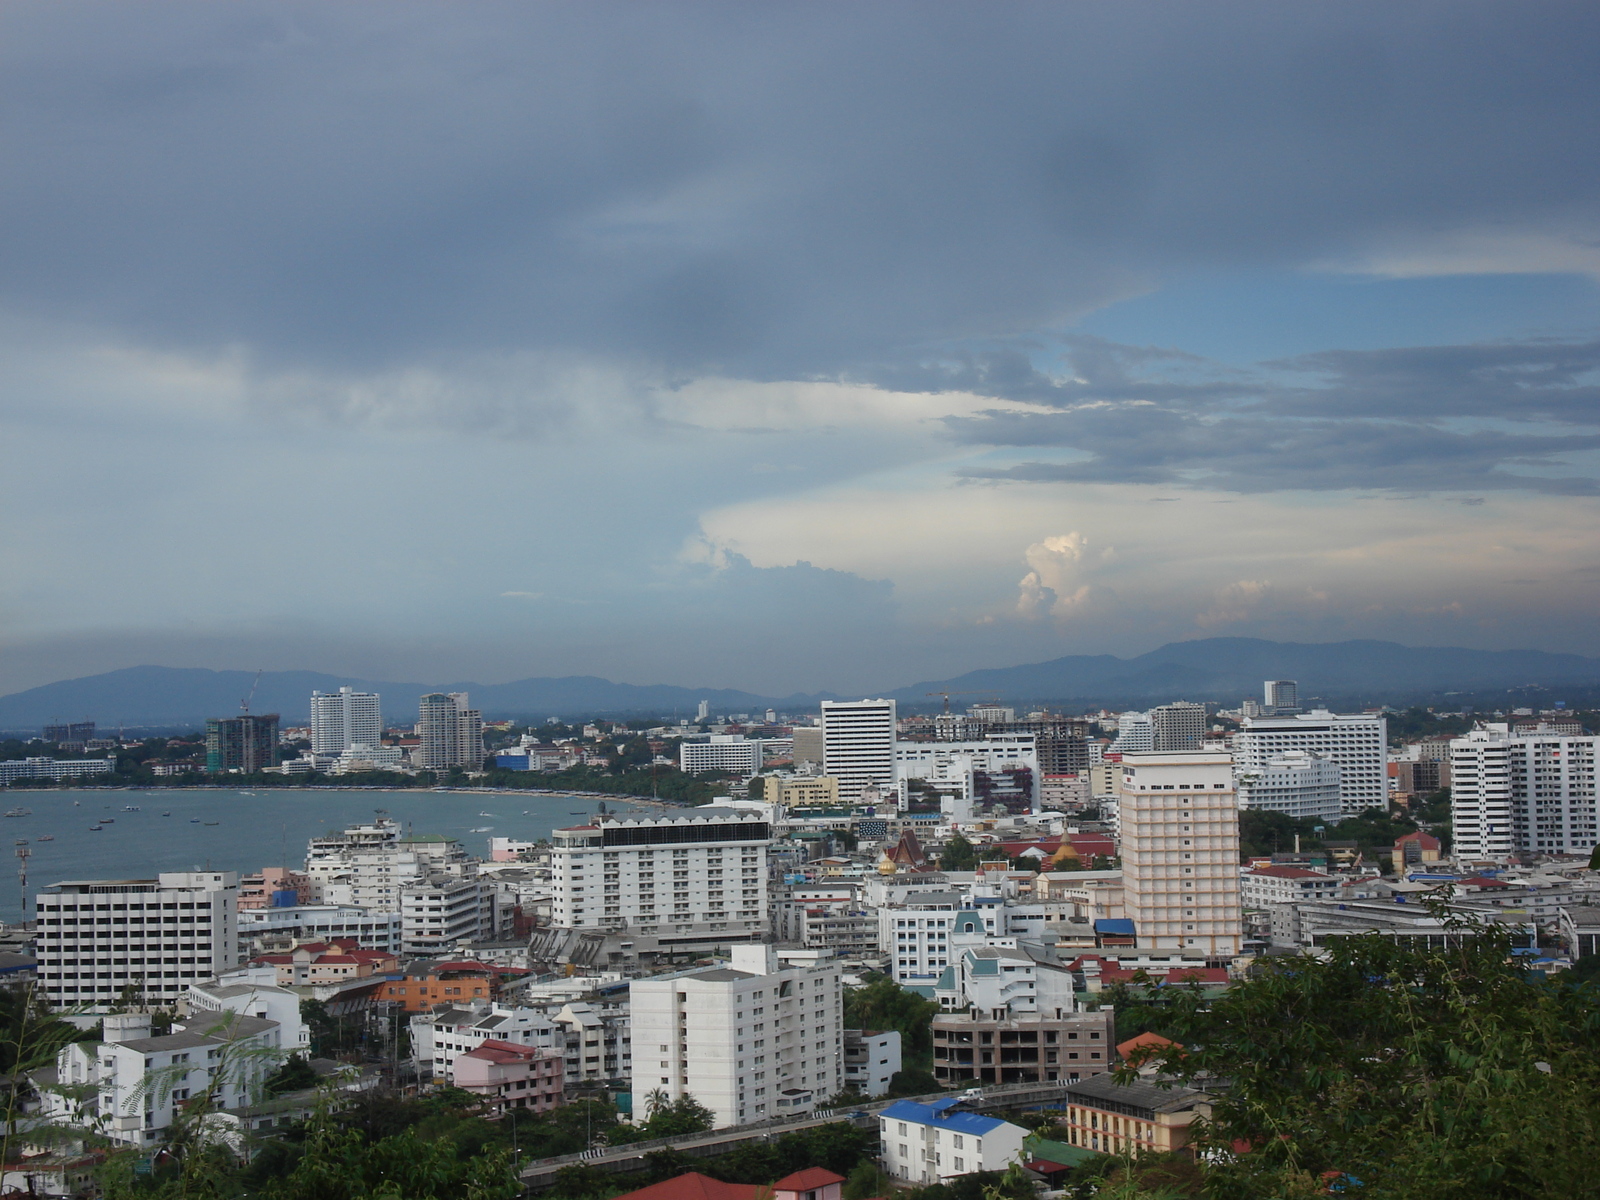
{"points": [[1180, 851], [1294, 783], [96, 937], [858, 745], [751, 1040], [1357, 743], [1528, 792], [698, 877], [343, 719]]}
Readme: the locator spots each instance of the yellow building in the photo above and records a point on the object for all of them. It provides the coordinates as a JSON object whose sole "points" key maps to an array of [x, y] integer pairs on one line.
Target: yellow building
{"points": [[1139, 1117], [800, 791]]}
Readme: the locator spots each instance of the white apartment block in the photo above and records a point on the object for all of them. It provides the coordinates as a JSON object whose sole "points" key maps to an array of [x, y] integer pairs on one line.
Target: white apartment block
{"points": [[1357, 743], [693, 877], [135, 1083], [731, 752], [343, 719], [260, 928], [450, 733], [54, 768], [1289, 885], [97, 937], [871, 1060], [929, 1143], [1136, 733], [1179, 818], [858, 745], [1522, 792], [366, 865], [1295, 783], [1179, 726], [750, 1041], [950, 766], [438, 913]]}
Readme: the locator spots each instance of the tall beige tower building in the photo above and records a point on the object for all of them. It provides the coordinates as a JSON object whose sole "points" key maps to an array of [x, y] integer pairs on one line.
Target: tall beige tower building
{"points": [[1180, 851]]}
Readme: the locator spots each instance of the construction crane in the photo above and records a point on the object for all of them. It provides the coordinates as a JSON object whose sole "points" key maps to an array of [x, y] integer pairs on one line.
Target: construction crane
{"points": [[947, 696], [244, 705]]}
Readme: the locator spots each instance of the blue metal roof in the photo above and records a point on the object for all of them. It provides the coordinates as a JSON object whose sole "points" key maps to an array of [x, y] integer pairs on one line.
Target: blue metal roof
{"points": [[1114, 925], [940, 1113]]}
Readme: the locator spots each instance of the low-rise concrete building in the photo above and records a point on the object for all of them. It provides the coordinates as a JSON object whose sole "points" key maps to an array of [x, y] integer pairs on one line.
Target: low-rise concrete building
{"points": [[1130, 1118], [929, 1143], [505, 1076], [871, 1060], [1021, 1047]]}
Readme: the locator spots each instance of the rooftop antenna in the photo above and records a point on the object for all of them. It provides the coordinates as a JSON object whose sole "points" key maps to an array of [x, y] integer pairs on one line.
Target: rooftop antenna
{"points": [[244, 705]]}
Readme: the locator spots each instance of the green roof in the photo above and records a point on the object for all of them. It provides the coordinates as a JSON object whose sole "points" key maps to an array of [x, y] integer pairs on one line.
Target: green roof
{"points": [[1056, 1152]]}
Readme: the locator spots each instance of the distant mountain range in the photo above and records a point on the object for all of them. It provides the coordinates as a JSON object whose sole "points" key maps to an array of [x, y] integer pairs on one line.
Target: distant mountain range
{"points": [[1226, 669]]}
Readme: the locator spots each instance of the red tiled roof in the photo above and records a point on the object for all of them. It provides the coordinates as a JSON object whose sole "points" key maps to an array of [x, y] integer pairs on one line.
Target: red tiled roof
{"points": [[497, 1051], [1483, 881], [1425, 840], [694, 1186], [1290, 873], [804, 1181], [1145, 1044]]}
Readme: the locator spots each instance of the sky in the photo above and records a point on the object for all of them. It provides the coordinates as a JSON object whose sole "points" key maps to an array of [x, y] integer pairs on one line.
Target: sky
{"points": [[791, 347]]}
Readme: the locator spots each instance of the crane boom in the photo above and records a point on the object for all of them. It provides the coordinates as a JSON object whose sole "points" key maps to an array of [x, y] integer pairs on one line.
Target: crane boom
{"points": [[244, 705]]}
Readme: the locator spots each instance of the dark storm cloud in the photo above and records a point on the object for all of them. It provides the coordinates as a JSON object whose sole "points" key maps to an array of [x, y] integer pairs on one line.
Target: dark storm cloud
{"points": [[766, 190], [1419, 419]]}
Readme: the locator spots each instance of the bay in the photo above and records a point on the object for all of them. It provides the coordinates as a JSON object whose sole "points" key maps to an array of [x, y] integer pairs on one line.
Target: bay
{"points": [[237, 829]]}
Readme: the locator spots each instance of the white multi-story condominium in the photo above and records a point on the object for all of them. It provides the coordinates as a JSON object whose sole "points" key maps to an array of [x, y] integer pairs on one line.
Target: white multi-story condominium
{"points": [[1295, 783], [1136, 733], [929, 1143], [439, 1038], [1179, 726], [54, 768], [221, 999], [1357, 742], [1179, 815], [130, 1085], [858, 745], [1529, 792], [871, 1060], [441, 911], [751, 1040], [343, 719], [1280, 696], [96, 938], [690, 878], [955, 763], [1289, 885], [732, 752], [262, 929], [366, 864], [449, 732]]}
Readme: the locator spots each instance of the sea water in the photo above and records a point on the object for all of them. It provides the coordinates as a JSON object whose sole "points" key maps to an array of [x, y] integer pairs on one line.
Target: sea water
{"points": [[243, 829]]}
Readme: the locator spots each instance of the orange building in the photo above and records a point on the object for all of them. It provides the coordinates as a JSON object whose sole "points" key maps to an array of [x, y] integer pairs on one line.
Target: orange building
{"points": [[426, 986]]}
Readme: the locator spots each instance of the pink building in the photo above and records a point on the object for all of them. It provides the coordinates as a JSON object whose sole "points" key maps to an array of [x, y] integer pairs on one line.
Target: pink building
{"points": [[507, 1075], [257, 891]]}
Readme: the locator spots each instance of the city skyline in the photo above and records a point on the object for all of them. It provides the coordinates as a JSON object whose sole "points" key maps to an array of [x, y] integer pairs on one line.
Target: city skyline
{"points": [[822, 348]]}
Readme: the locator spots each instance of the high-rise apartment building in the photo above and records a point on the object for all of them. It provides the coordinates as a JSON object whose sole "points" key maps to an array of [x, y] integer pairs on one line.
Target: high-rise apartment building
{"points": [[1358, 743], [342, 719], [1296, 784], [1179, 818], [1136, 733], [75, 731], [696, 878], [1280, 697], [97, 938], [1179, 726], [858, 741], [449, 733], [1528, 792], [247, 743], [751, 1040]]}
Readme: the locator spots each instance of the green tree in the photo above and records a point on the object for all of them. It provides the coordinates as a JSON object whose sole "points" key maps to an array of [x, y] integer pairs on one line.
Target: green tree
{"points": [[884, 1004], [957, 855], [866, 1180], [294, 1076], [1427, 1074], [913, 1081]]}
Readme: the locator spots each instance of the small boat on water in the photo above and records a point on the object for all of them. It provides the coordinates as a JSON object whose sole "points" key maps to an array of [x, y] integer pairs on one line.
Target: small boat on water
{"points": [[22, 841], [95, 829], [582, 812], [166, 814], [19, 812], [47, 837], [130, 808], [484, 814], [194, 820], [108, 820], [481, 829], [211, 822]]}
